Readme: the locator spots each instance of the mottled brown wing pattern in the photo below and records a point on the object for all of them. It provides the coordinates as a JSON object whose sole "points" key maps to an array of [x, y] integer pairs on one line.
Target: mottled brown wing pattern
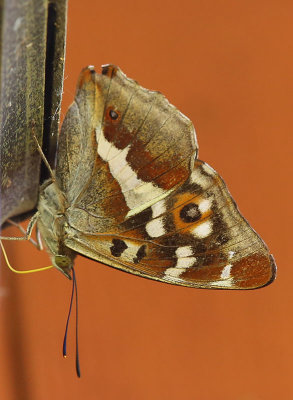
{"points": [[134, 154], [194, 237], [137, 199]]}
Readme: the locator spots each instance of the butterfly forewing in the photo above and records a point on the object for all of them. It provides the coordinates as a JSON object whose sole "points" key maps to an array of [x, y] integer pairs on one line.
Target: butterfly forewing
{"points": [[134, 158]]}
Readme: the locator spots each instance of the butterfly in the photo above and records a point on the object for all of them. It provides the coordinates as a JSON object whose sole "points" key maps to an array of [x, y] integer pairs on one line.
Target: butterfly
{"points": [[128, 191]]}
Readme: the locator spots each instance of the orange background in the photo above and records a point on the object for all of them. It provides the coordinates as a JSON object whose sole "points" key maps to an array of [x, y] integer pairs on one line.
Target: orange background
{"points": [[227, 65]]}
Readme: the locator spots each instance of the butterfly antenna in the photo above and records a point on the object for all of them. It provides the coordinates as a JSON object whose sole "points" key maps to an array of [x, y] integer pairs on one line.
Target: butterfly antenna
{"points": [[64, 348], [77, 366]]}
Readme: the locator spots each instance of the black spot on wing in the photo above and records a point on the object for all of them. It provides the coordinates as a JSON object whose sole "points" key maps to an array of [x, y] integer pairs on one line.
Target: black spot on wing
{"points": [[113, 114], [137, 220], [141, 253], [118, 247], [222, 238], [190, 213]]}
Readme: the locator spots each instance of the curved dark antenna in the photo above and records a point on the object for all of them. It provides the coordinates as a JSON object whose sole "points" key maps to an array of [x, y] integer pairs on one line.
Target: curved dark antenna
{"points": [[64, 347], [77, 366]]}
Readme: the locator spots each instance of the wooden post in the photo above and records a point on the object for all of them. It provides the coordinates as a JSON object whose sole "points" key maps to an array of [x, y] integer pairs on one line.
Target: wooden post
{"points": [[32, 63], [31, 77]]}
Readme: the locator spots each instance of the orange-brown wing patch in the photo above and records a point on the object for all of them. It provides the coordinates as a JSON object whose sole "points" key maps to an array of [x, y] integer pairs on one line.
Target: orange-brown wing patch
{"points": [[170, 242]]}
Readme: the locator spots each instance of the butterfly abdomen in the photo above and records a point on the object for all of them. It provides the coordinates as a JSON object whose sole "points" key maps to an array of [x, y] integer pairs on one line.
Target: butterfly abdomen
{"points": [[51, 224]]}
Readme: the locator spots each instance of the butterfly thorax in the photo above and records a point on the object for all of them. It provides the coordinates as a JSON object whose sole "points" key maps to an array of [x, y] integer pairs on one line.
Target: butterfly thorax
{"points": [[51, 223]]}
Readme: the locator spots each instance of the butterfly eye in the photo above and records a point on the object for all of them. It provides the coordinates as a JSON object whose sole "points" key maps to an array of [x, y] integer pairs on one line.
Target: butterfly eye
{"points": [[113, 115]]}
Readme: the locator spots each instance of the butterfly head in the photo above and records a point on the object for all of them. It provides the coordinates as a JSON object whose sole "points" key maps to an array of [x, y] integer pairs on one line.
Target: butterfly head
{"points": [[64, 264]]}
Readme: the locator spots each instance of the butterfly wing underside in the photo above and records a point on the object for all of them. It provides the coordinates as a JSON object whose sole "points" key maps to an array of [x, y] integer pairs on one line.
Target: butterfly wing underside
{"points": [[138, 200]]}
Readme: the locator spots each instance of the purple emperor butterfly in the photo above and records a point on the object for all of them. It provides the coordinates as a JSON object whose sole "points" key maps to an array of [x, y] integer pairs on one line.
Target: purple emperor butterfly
{"points": [[130, 192]]}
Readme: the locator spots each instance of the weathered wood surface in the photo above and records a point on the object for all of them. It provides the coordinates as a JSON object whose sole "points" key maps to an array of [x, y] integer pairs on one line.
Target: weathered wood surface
{"points": [[32, 63]]}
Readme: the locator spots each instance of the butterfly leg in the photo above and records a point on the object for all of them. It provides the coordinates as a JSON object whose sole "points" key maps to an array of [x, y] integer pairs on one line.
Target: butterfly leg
{"points": [[27, 233], [39, 239], [43, 155], [27, 236]]}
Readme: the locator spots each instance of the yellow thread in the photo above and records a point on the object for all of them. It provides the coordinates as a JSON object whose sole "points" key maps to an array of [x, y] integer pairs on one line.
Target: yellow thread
{"points": [[21, 272]]}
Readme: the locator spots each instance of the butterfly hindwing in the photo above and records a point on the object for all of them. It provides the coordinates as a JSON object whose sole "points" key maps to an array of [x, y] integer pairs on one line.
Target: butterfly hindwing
{"points": [[194, 237]]}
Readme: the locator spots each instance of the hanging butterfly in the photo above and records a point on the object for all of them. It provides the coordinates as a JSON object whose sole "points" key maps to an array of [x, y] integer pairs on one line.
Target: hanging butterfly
{"points": [[129, 191]]}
